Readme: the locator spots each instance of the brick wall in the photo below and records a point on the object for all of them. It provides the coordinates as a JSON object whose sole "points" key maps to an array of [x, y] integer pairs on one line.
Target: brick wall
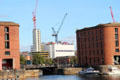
{"points": [[13, 42]]}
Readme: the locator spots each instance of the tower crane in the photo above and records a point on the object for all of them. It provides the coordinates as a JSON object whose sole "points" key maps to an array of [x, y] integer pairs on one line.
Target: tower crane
{"points": [[55, 33], [34, 14], [112, 14]]}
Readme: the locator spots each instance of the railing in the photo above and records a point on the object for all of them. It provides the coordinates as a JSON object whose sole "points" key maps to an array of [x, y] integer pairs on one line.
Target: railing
{"points": [[38, 66]]}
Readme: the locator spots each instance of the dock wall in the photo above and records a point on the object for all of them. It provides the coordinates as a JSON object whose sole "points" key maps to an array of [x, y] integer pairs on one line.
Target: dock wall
{"points": [[21, 74], [68, 71]]}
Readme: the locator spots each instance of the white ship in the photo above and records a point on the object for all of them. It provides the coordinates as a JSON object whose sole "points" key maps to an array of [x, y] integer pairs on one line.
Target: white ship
{"points": [[89, 71], [113, 71]]}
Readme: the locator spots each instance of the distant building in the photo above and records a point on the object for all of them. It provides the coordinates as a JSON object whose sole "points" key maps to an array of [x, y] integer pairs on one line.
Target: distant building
{"points": [[99, 45], [9, 46], [27, 56], [36, 47], [43, 46], [42, 53], [24, 53], [60, 49]]}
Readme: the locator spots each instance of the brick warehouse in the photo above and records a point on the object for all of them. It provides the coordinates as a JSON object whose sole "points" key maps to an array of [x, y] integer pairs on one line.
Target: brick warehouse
{"points": [[99, 45], [9, 46]]}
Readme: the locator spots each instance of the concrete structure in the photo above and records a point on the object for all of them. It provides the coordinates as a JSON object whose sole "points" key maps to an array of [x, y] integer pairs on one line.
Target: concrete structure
{"points": [[99, 45], [36, 41], [68, 71], [60, 49], [19, 74], [9, 46]]}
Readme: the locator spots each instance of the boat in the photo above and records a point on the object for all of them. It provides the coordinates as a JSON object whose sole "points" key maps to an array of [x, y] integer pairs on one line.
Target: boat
{"points": [[113, 71], [89, 71]]}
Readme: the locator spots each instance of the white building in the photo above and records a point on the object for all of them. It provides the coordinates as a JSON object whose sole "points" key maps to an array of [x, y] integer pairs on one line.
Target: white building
{"points": [[60, 50], [36, 47]]}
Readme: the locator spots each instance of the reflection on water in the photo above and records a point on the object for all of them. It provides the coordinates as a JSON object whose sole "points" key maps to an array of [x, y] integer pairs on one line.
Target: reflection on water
{"points": [[112, 77], [76, 77], [101, 77], [57, 77]]}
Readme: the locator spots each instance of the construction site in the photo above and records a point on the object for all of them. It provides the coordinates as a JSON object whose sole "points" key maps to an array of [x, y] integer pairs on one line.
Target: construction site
{"points": [[96, 46]]}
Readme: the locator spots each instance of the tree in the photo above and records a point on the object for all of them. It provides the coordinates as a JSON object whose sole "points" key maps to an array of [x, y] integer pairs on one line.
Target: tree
{"points": [[73, 60], [48, 61], [22, 60], [38, 59]]}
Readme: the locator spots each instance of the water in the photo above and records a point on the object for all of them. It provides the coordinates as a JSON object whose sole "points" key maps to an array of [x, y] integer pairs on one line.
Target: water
{"points": [[76, 77]]}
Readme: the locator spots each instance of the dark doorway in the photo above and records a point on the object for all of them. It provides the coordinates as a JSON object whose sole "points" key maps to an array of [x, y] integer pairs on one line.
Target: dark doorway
{"points": [[7, 64], [116, 60]]}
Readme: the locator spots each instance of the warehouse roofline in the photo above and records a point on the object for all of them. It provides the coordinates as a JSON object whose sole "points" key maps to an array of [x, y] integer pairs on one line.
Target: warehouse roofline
{"points": [[6, 23], [101, 25]]}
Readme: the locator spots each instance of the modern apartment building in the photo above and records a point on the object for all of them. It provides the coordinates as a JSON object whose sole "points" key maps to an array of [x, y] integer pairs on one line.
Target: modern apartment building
{"points": [[99, 45], [36, 47], [9, 46]]}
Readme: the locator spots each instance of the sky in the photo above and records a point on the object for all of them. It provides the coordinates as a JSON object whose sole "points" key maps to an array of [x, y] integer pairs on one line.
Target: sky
{"points": [[81, 13]]}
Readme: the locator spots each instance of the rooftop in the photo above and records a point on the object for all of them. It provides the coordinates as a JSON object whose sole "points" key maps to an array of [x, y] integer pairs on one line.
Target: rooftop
{"points": [[110, 25], [102, 25], [8, 23]]}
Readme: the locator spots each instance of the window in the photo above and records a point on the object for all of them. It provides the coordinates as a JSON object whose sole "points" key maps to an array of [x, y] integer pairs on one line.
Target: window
{"points": [[101, 45], [116, 36], [97, 51], [7, 52], [7, 45], [94, 60], [6, 29], [90, 60], [98, 60], [6, 36], [103, 60], [116, 30], [97, 44], [102, 52], [89, 52], [116, 50], [88, 33], [96, 31], [116, 43], [96, 37]]}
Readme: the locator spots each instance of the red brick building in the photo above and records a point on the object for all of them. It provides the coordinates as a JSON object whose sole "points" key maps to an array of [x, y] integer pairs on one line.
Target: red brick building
{"points": [[99, 45], [9, 46]]}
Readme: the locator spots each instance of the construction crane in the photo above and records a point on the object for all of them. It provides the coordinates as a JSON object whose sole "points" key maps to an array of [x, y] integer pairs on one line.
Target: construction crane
{"points": [[112, 14], [55, 33], [34, 14]]}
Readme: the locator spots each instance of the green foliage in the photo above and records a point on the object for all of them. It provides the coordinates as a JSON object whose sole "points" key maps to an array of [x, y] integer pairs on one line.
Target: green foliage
{"points": [[48, 61], [73, 60], [38, 59], [22, 60]]}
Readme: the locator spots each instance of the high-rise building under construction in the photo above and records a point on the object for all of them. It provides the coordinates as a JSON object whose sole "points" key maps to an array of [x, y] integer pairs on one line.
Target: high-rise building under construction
{"points": [[36, 41]]}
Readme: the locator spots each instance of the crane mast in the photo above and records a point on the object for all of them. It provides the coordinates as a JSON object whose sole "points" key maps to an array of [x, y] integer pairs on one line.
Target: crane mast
{"points": [[34, 14], [112, 14], [55, 33]]}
